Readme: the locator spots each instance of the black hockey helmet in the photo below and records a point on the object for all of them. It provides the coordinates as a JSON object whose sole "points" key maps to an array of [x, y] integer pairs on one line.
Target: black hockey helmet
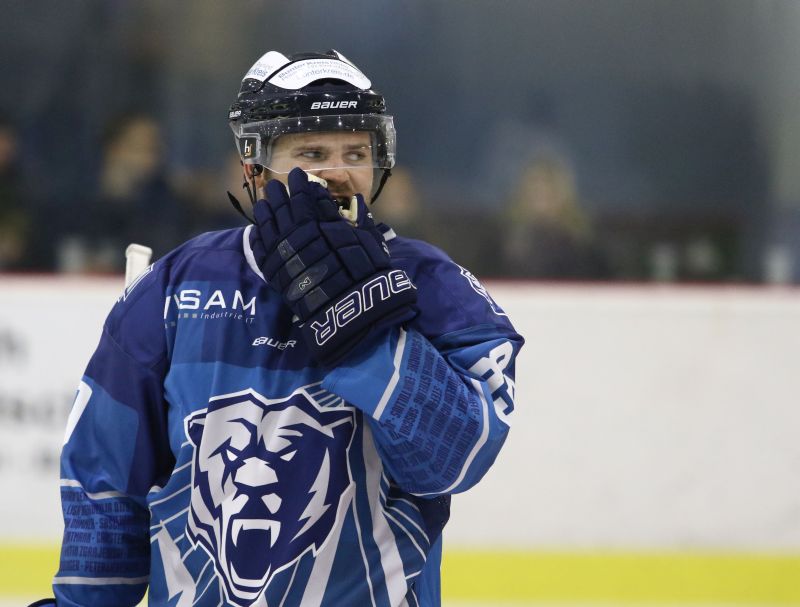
{"points": [[306, 93]]}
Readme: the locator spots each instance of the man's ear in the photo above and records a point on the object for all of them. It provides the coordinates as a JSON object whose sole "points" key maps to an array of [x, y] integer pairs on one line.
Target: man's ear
{"points": [[251, 171]]}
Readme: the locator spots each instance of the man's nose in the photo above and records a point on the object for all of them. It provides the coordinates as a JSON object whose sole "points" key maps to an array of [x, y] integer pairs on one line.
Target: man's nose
{"points": [[334, 175]]}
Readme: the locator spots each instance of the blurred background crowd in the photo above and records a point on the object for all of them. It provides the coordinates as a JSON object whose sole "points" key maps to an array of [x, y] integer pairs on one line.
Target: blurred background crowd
{"points": [[635, 140]]}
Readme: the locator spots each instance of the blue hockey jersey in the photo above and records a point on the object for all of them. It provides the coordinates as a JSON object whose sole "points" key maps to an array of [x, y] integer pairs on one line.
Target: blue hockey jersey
{"points": [[208, 457]]}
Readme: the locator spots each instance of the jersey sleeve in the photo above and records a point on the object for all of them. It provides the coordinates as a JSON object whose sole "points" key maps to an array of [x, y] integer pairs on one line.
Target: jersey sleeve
{"points": [[115, 449], [439, 405]]}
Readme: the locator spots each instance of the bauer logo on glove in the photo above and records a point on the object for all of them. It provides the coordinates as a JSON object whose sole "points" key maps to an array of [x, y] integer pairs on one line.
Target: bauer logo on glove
{"points": [[350, 307]]}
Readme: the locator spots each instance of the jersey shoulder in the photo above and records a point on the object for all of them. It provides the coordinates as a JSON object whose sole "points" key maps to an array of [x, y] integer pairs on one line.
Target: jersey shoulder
{"points": [[136, 322], [450, 298]]}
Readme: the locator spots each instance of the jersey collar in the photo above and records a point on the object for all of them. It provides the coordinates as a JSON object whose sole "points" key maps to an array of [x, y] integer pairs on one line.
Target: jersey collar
{"points": [[248, 252]]}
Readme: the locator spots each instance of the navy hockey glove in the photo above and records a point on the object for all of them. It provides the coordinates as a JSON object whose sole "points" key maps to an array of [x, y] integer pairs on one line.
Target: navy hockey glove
{"points": [[334, 274]]}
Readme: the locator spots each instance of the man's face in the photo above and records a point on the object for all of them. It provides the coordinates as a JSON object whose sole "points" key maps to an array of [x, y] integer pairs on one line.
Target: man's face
{"points": [[343, 159]]}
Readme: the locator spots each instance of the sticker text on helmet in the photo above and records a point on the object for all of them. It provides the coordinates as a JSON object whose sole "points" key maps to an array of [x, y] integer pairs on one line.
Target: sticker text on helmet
{"points": [[249, 147], [332, 105]]}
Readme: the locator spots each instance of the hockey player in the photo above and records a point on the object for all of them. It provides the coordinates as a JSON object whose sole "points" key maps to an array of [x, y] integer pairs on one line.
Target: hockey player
{"points": [[279, 414]]}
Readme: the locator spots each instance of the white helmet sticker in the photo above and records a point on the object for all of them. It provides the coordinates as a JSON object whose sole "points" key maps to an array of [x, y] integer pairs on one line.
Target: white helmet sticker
{"points": [[343, 58], [299, 74], [265, 66]]}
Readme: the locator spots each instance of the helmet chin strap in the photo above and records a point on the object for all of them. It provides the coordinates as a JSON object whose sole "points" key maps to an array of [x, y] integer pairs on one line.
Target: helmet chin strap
{"points": [[238, 206], [251, 193], [384, 178], [250, 186]]}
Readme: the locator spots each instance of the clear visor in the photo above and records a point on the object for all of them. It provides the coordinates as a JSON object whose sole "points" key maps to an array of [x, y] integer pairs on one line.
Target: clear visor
{"points": [[318, 143]]}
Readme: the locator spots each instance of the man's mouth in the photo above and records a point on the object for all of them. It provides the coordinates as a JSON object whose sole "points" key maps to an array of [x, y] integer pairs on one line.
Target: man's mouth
{"points": [[342, 200]]}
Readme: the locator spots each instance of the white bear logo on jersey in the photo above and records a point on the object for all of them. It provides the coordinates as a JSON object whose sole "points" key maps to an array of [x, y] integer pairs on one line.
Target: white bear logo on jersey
{"points": [[269, 478]]}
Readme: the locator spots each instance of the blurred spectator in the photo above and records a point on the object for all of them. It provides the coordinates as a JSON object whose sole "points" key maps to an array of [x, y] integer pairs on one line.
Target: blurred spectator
{"points": [[781, 254], [205, 194], [547, 235], [134, 202], [400, 206], [470, 237], [14, 212]]}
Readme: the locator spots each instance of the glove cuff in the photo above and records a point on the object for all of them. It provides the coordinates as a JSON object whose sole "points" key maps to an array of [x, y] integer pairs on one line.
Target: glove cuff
{"points": [[386, 298]]}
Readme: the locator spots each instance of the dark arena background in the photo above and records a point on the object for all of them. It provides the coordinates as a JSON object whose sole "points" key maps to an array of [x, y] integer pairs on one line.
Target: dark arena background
{"points": [[621, 175]]}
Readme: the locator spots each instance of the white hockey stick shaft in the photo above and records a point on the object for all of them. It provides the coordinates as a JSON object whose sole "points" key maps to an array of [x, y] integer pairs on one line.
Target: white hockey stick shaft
{"points": [[137, 258]]}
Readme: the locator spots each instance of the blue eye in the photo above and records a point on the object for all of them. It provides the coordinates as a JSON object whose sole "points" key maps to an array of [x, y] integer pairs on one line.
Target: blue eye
{"points": [[311, 154], [355, 156]]}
